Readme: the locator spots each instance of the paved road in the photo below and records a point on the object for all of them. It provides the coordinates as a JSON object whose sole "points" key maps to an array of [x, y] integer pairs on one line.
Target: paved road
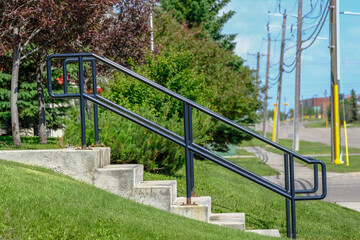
{"points": [[322, 135], [343, 188]]}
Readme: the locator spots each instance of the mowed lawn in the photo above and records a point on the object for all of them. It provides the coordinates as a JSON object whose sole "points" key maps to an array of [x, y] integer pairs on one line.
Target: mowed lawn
{"points": [[264, 209], [36, 203]]}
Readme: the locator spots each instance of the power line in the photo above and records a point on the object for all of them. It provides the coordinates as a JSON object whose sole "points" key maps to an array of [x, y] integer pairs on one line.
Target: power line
{"points": [[316, 34], [321, 22]]}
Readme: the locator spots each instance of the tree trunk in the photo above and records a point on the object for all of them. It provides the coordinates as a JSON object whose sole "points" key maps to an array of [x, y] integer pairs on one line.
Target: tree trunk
{"points": [[41, 103], [14, 97]]}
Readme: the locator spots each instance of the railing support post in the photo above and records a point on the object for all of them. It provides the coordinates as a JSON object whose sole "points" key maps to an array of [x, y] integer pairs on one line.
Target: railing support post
{"points": [[65, 77], [189, 162], [96, 118], [82, 103], [292, 193], [287, 201]]}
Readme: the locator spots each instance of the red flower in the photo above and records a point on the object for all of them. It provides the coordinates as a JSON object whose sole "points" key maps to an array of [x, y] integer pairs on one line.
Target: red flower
{"points": [[99, 90], [60, 80], [2, 69]]}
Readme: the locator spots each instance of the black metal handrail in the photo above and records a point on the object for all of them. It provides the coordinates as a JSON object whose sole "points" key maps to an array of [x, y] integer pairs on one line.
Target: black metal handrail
{"points": [[289, 192]]}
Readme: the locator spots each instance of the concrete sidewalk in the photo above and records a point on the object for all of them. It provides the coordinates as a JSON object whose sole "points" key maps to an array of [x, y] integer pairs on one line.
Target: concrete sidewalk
{"points": [[343, 188]]}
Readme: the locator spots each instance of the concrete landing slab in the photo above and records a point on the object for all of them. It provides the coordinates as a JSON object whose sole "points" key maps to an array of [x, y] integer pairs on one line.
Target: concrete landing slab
{"points": [[266, 232], [230, 220], [200, 209]]}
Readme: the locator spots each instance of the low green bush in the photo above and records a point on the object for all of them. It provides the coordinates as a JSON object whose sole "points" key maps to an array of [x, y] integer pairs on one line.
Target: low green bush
{"points": [[131, 143]]}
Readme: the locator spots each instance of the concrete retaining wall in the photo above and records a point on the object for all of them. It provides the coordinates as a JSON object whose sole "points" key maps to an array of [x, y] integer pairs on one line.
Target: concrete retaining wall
{"points": [[79, 164]]}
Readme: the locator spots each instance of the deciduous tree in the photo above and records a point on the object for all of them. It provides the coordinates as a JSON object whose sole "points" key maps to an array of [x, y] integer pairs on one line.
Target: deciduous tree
{"points": [[39, 26]]}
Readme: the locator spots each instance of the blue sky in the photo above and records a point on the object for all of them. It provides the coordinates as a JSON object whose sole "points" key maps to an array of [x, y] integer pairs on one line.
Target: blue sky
{"points": [[250, 24]]}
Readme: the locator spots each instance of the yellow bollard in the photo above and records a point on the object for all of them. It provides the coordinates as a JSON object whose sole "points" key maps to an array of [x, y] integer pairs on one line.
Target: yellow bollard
{"points": [[336, 125], [274, 123], [346, 145]]}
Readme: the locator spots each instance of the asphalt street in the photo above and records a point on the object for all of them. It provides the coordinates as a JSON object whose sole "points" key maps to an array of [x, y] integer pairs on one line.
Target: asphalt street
{"points": [[343, 188]]}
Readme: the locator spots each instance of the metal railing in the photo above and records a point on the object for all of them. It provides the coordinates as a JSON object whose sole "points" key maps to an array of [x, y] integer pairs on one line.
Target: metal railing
{"points": [[289, 192]]}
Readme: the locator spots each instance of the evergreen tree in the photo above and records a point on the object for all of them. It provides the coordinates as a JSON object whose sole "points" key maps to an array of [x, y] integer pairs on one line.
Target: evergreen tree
{"points": [[206, 13], [353, 106], [27, 98]]}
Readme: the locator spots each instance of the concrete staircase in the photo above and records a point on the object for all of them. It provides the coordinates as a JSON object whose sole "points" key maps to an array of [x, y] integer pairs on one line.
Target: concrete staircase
{"points": [[126, 180]]}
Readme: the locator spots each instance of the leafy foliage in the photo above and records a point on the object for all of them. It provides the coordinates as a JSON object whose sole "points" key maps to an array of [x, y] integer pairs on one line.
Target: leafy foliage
{"points": [[171, 69], [226, 85], [206, 13], [131, 143]]}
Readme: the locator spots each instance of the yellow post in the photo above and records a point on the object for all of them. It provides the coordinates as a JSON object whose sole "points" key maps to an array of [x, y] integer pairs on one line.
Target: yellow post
{"points": [[346, 145], [336, 125], [274, 122], [326, 121]]}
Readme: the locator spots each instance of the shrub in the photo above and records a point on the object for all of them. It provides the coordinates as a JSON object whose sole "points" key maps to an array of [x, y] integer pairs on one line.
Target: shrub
{"points": [[131, 143]]}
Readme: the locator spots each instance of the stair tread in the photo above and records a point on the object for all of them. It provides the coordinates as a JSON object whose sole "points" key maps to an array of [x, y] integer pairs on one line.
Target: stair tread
{"points": [[266, 232], [121, 166], [227, 218], [204, 200], [158, 183]]}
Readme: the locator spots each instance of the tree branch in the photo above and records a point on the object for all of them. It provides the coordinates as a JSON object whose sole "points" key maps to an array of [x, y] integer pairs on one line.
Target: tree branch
{"points": [[33, 34], [29, 53]]}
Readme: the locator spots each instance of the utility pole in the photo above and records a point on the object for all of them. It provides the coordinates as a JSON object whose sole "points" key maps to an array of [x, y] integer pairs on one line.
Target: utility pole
{"points": [[296, 123], [257, 67], [335, 130], [280, 79], [258, 55], [266, 86], [325, 110]]}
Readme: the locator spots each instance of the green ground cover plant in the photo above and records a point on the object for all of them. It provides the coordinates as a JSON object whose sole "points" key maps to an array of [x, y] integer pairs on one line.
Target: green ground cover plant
{"points": [[37, 203], [6, 143], [263, 208]]}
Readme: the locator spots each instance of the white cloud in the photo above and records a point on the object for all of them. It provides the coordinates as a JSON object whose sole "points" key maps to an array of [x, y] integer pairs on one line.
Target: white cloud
{"points": [[243, 45]]}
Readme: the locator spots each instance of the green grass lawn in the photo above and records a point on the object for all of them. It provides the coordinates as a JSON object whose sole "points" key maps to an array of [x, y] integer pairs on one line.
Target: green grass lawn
{"points": [[314, 148], [316, 124], [265, 209], [354, 164], [322, 124], [28, 143], [36, 203]]}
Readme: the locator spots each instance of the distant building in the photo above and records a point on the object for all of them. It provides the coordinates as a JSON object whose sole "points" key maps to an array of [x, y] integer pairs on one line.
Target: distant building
{"points": [[319, 104]]}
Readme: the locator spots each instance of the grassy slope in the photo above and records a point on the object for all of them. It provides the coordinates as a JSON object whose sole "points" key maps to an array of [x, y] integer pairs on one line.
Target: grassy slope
{"points": [[36, 203], [263, 208]]}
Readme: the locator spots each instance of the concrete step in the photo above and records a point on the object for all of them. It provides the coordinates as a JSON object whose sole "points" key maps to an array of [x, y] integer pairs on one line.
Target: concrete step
{"points": [[119, 179], [230, 220], [266, 232], [159, 194], [200, 209]]}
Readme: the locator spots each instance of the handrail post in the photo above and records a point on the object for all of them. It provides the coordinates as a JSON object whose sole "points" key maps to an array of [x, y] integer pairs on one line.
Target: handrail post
{"points": [[82, 103], [65, 77], [292, 193], [96, 118], [189, 165], [287, 201]]}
